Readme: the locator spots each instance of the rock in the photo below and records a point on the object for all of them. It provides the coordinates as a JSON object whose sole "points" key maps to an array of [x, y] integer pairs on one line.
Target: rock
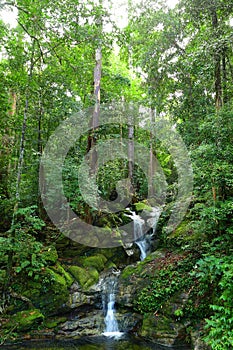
{"points": [[197, 342], [61, 271], [85, 277], [162, 330], [91, 324], [78, 299], [97, 261], [25, 320], [53, 322], [142, 206]]}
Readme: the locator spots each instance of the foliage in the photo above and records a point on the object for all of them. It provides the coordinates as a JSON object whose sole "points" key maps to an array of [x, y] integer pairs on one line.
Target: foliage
{"points": [[177, 62], [218, 270]]}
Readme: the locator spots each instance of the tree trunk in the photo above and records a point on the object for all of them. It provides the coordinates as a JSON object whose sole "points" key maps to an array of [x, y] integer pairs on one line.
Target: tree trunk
{"points": [[224, 76], [130, 149], [92, 138], [217, 70], [151, 172]]}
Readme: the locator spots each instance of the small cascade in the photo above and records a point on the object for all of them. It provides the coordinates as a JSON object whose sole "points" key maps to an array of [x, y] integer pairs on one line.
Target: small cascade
{"points": [[154, 217], [143, 240], [139, 237], [108, 300]]}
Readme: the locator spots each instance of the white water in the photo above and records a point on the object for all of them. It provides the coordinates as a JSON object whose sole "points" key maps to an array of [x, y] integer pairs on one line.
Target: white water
{"points": [[154, 217], [108, 298], [141, 238]]}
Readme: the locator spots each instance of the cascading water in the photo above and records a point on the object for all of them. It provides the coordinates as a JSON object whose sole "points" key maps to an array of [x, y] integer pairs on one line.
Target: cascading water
{"points": [[154, 217], [139, 236], [142, 239], [108, 300]]}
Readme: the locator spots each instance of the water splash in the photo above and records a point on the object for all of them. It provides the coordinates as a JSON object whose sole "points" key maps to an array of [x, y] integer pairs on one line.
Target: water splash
{"points": [[108, 300]]}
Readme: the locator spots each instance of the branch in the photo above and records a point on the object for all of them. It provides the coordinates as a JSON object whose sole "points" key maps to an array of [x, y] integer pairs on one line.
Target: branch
{"points": [[35, 39]]}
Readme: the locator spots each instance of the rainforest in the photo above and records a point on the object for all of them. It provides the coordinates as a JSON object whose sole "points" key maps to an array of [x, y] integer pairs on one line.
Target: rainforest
{"points": [[116, 174]]}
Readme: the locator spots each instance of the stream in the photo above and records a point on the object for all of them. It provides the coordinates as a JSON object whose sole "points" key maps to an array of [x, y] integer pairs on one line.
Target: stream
{"points": [[93, 343]]}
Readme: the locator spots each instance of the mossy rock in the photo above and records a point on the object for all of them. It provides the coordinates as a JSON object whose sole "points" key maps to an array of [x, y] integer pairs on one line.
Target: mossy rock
{"points": [[142, 206], [85, 277], [26, 320], [163, 330], [184, 233], [128, 272], [111, 265], [58, 268], [49, 254], [55, 292], [116, 255], [97, 261], [56, 277], [54, 322]]}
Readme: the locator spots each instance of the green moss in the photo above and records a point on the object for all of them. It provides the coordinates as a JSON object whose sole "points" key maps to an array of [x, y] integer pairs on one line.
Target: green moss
{"points": [[33, 290], [132, 270], [127, 272], [152, 326], [49, 254], [85, 277], [58, 268], [115, 255], [56, 277], [111, 265], [25, 320], [53, 322], [184, 233], [97, 261], [51, 295], [142, 206]]}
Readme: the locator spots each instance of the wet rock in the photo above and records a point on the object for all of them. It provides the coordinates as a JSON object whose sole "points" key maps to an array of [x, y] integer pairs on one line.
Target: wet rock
{"points": [[162, 330]]}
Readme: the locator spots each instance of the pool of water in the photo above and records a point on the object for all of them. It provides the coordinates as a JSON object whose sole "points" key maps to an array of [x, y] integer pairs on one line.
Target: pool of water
{"points": [[93, 343]]}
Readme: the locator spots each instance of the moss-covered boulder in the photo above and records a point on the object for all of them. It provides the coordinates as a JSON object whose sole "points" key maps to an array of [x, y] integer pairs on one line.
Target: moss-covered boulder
{"points": [[163, 330], [58, 268], [116, 255], [52, 293], [25, 320], [97, 261], [52, 323], [185, 234], [85, 277], [142, 206]]}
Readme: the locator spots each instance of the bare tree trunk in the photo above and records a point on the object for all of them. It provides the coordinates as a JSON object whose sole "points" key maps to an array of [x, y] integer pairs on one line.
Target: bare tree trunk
{"points": [[217, 70], [92, 138], [131, 150], [152, 163], [224, 76]]}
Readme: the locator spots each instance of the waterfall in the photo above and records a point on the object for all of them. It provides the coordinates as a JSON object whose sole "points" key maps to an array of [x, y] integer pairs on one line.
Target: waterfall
{"points": [[154, 217], [143, 240], [108, 300], [139, 237]]}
